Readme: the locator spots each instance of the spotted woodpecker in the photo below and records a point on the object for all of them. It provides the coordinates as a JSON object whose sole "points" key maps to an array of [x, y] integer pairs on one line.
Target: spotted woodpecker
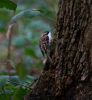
{"points": [[45, 42]]}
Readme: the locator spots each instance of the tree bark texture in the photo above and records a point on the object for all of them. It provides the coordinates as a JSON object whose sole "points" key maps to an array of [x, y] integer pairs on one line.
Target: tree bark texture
{"points": [[69, 77]]}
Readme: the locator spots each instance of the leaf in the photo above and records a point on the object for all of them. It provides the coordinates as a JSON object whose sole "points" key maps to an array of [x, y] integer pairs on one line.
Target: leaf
{"points": [[8, 4], [5, 96], [30, 52], [3, 80], [21, 70], [19, 94], [9, 88], [14, 80], [4, 20]]}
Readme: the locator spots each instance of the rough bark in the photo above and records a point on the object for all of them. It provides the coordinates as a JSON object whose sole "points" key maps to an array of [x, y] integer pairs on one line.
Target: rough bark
{"points": [[70, 75]]}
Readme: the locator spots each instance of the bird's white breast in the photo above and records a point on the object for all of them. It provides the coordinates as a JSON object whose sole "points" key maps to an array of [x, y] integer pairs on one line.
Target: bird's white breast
{"points": [[50, 37]]}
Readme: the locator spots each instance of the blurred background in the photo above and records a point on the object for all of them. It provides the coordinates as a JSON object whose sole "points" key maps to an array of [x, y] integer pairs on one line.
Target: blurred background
{"points": [[21, 61]]}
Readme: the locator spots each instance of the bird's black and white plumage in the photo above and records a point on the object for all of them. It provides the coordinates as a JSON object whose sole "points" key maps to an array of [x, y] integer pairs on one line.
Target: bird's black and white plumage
{"points": [[45, 41]]}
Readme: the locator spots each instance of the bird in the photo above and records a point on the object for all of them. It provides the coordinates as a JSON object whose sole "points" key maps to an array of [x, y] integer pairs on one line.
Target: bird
{"points": [[45, 42]]}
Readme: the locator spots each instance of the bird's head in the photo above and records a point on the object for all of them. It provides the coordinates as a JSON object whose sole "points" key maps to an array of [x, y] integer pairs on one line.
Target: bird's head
{"points": [[46, 32], [49, 35]]}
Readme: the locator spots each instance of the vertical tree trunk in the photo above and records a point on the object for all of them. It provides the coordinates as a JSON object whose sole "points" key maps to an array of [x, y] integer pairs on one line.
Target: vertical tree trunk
{"points": [[70, 75]]}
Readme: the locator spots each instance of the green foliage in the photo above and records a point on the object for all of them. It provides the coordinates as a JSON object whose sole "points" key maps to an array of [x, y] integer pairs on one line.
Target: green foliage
{"points": [[3, 19], [32, 17], [21, 73], [19, 94], [14, 87], [3, 81], [8, 4], [5, 96], [30, 52]]}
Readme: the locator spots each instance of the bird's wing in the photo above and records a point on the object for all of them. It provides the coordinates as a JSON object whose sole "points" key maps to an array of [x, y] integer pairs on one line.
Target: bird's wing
{"points": [[41, 48]]}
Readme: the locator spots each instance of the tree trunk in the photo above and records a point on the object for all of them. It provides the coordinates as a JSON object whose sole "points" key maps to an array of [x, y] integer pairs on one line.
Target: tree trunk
{"points": [[70, 75]]}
